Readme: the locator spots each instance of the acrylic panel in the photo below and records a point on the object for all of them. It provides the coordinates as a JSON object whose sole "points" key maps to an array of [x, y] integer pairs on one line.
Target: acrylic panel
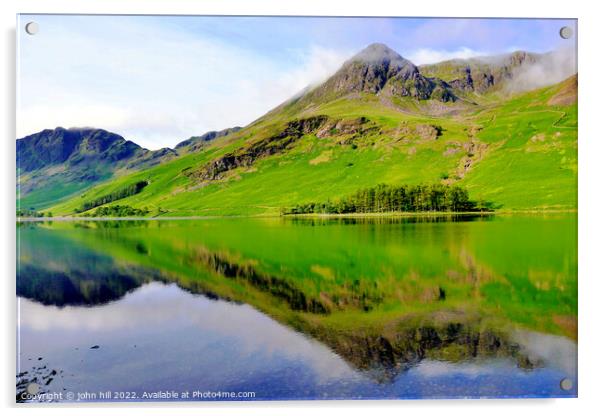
{"points": [[284, 208]]}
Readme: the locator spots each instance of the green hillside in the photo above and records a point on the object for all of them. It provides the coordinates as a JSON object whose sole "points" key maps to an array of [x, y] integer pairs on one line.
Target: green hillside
{"points": [[54, 165], [377, 120], [520, 154]]}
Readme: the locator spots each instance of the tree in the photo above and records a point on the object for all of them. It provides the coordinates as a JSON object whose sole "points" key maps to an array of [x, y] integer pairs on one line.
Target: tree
{"points": [[402, 198]]}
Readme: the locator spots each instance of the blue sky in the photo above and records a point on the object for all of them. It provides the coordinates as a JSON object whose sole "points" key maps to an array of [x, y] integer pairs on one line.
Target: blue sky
{"points": [[158, 80]]}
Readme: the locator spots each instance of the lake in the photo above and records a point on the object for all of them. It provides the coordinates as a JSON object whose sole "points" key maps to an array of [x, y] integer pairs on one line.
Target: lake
{"points": [[298, 308]]}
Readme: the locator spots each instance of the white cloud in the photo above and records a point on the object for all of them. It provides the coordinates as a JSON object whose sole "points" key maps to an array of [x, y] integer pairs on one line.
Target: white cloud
{"points": [[318, 64], [432, 56], [153, 85], [158, 80], [38, 117], [156, 305], [432, 369], [553, 68]]}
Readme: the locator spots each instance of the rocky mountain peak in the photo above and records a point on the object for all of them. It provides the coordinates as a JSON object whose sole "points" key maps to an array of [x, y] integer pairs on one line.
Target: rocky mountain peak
{"points": [[379, 53], [59, 145], [378, 69]]}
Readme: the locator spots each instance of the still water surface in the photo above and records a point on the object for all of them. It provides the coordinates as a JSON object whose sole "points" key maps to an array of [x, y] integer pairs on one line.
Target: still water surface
{"points": [[299, 309]]}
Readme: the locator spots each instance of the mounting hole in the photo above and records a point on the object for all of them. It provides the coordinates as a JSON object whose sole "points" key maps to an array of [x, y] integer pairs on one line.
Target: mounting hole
{"points": [[566, 384], [566, 32], [32, 28], [33, 388]]}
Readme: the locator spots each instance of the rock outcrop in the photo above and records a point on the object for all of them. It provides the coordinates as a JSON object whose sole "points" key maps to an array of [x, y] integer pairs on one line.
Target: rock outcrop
{"points": [[247, 155], [378, 69]]}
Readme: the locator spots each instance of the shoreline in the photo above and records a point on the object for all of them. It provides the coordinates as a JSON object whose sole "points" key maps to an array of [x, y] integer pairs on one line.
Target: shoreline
{"points": [[309, 215], [435, 214]]}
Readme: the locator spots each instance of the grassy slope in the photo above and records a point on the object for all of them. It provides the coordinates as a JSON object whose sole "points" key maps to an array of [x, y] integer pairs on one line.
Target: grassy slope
{"points": [[536, 165], [530, 162], [54, 191]]}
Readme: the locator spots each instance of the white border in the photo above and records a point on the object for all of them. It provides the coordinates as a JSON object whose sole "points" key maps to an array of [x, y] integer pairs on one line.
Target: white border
{"points": [[590, 146]]}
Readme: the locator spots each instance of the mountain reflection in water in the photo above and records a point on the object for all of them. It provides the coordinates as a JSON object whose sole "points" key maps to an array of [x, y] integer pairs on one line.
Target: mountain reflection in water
{"points": [[348, 309]]}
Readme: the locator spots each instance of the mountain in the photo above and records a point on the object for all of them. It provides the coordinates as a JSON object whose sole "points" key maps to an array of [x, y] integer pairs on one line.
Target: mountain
{"points": [[53, 164], [566, 94], [378, 69], [481, 74], [195, 143], [512, 72], [73, 146], [378, 119]]}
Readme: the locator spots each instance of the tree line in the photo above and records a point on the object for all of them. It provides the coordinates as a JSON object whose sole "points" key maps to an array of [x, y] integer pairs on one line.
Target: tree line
{"points": [[118, 211], [403, 198], [31, 213], [120, 193]]}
